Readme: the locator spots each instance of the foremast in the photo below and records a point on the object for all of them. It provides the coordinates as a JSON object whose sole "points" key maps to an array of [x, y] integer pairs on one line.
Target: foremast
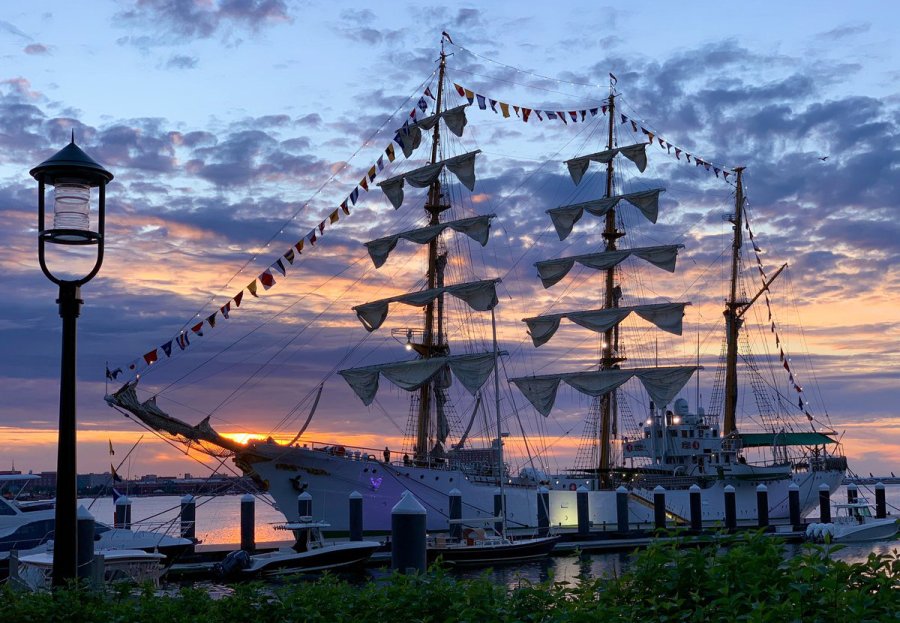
{"points": [[433, 343]]}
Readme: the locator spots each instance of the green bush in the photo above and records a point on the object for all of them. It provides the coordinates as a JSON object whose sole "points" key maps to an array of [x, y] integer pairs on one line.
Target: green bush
{"points": [[746, 578]]}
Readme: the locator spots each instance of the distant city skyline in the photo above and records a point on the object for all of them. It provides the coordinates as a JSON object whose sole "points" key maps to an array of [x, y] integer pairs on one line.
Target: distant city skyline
{"points": [[233, 129]]}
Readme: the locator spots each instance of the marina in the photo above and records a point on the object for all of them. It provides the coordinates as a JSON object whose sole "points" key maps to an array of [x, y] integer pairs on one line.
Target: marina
{"points": [[449, 313]]}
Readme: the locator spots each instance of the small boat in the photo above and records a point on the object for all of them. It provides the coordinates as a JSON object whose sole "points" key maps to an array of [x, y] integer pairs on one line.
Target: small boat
{"points": [[133, 566], [310, 553], [853, 523], [478, 548]]}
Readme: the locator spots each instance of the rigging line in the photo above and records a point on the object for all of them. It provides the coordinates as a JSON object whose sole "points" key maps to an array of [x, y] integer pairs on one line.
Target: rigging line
{"points": [[318, 191], [525, 71], [269, 320]]}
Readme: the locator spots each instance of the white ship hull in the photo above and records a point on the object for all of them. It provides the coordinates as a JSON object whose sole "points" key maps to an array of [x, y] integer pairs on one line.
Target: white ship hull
{"points": [[331, 478]]}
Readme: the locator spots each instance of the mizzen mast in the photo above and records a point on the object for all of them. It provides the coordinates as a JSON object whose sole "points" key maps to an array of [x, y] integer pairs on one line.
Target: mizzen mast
{"points": [[733, 308]]}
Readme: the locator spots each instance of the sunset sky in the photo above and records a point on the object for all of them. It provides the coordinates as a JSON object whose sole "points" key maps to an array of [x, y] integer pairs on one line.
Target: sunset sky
{"points": [[235, 127]]}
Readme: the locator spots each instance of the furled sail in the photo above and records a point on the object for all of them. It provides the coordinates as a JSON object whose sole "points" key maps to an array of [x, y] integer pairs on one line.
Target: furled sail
{"points": [[477, 228], [479, 295], [636, 153], [666, 316], [552, 271], [472, 370], [409, 136], [462, 166], [662, 384], [154, 417], [565, 217]]}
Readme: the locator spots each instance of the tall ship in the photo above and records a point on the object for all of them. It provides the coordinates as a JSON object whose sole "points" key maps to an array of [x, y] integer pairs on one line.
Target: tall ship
{"points": [[639, 430]]}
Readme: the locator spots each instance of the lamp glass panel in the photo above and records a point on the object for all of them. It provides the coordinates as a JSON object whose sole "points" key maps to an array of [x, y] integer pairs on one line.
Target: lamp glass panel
{"points": [[72, 206]]}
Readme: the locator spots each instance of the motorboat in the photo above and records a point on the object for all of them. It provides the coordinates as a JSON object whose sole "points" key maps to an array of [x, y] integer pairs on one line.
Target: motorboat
{"points": [[310, 553], [133, 566], [478, 548], [853, 523]]}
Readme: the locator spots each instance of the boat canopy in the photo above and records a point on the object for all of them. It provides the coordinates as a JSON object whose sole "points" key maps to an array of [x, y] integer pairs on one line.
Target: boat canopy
{"points": [[551, 272], [462, 166], [666, 316], [636, 153], [479, 295], [662, 384], [758, 440], [565, 217], [472, 370], [477, 228]]}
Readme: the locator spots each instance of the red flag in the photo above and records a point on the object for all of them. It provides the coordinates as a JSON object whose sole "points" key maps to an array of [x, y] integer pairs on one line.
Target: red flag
{"points": [[460, 90], [267, 280], [150, 357], [198, 329]]}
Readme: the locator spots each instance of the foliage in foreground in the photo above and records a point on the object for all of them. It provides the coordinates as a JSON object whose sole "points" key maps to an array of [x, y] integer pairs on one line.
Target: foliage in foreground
{"points": [[749, 580]]}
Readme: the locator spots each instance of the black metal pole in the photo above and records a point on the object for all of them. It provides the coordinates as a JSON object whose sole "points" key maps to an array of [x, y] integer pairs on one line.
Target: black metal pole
{"points": [[65, 539]]}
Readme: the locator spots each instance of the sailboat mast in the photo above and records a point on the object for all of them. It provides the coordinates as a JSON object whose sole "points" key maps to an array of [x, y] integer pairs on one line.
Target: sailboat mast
{"points": [[500, 475], [732, 313], [431, 339], [611, 336]]}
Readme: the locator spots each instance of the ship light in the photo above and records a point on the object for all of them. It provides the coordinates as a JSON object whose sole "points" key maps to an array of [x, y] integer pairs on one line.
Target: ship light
{"points": [[676, 420], [409, 345]]}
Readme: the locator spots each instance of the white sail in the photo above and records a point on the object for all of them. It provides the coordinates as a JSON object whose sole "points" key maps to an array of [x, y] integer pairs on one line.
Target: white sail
{"points": [[477, 228], [662, 384], [666, 316], [552, 271], [565, 217], [454, 119], [479, 295], [472, 370], [636, 153], [409, 137], [462, 166]]}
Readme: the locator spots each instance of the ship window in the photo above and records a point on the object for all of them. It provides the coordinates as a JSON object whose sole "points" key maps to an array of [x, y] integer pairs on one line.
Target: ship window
{"points": [[6, 509], [659, 433], [684, 433], [673, 433], [647, 434]]}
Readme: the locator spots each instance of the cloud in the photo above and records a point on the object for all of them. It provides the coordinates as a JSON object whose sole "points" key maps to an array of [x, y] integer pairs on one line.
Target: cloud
{"points": [[181, 62], [175, 20], [36, 49], [13, 30]]}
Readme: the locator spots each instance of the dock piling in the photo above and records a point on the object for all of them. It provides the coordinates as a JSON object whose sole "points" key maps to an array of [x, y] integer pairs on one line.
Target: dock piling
{"points": [[543, 511], [583, 510], [356, 516], [730, 509], [498, 510], [622, 509], [762, 506], [122, 517], [659, 507], [408, 548], [794, 505], [696, 505], [84, 554], [455, 513], [189, 518], [248, 523], [824, 503], [880, 501]]}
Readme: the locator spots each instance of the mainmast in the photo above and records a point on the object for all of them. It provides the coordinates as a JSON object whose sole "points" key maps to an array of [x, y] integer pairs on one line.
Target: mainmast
{"points": [[433, 335], [733, 312], [608, 359]]}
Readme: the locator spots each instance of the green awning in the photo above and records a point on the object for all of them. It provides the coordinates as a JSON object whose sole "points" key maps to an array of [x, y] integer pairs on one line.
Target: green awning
{"points": [[757, 440]]}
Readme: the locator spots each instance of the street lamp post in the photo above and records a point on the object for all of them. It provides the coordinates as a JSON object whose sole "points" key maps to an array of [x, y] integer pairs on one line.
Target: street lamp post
{"points": [[72, 173]]}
